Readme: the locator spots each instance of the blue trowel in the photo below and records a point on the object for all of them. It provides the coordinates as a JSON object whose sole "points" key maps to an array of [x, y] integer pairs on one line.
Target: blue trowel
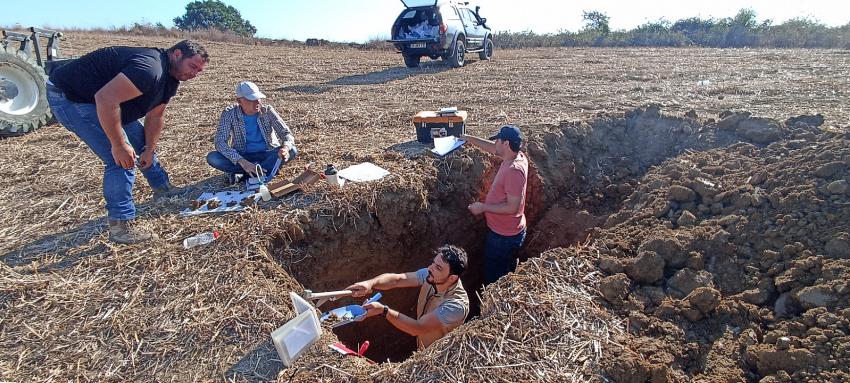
{"points": [[350, 313]]}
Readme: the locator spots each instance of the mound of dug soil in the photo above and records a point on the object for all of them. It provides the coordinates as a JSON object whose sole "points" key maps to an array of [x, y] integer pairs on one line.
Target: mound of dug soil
{"points": [[733, 264]]}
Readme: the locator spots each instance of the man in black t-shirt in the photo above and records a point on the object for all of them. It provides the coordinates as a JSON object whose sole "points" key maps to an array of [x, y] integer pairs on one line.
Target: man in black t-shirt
{"points": [[101, 96]]}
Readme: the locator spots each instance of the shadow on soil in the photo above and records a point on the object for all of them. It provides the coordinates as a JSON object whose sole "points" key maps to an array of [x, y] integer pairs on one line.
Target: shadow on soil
{"points": [[374, 78], [61, 243], [259, 365]]}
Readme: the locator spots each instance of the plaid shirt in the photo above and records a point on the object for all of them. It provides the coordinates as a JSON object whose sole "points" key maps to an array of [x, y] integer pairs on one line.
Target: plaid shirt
{"points": [[232, 125]]}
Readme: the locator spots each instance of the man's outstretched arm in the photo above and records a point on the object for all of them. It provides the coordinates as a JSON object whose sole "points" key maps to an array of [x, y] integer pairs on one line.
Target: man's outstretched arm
{"points": [[386, 281], [485, 145]]}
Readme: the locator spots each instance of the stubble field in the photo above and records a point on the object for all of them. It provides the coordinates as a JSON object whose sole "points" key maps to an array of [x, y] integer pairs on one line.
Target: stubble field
{"points": [[75, 306]]}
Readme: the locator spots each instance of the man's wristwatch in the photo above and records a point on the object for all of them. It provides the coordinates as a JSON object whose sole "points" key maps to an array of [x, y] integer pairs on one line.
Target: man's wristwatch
{"points": [[386, 310]]}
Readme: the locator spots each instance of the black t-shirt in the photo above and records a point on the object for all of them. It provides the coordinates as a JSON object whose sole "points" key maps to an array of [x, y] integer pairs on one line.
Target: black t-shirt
{"points": [[147, 68]]}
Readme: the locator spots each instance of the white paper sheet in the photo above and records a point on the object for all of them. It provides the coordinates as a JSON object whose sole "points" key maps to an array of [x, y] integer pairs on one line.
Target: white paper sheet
{"points": [[223, 198], [364, 172], [444, 145]]}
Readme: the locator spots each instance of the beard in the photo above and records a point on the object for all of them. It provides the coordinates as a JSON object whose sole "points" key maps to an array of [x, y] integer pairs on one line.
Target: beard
{"points": [[433, 282], [430, 278]]}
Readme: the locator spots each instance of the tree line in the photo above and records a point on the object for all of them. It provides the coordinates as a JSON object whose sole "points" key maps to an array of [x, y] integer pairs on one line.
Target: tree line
{"points": [[742, 30]]}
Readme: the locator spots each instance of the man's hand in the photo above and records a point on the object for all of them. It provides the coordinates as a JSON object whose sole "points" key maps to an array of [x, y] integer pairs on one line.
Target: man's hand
{"points": [[248, 166], [124, 155], [374, 308], [476, 208], [360, 289], [283, 153], [146, 159]]}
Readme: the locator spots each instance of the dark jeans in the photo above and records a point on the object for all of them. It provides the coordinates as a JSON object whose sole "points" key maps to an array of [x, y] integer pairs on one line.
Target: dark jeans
{"points": [[265, 159], [81, 119], [500, 255]]}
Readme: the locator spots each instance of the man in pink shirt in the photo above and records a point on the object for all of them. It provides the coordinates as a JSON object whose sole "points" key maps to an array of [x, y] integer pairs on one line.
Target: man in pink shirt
{"points": [[504, 206]]}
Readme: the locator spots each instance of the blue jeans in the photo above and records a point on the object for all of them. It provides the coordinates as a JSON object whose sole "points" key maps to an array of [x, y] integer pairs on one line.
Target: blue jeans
{"points": [[499, 255], [81, 119], [266, 160]]}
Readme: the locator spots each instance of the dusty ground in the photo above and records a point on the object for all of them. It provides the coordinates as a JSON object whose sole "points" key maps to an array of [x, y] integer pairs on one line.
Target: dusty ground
{"points": [[76, 307]]}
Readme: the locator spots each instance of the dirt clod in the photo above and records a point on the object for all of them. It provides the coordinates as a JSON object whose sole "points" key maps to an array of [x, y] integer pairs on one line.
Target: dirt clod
{"points": [[810, 120], [680, 193], [687, 219], [759, 130], [686, 280], [815, 296], [830, 170], [614, 288], [647, 267], [839, 187], [704, 299], [790, 361]]}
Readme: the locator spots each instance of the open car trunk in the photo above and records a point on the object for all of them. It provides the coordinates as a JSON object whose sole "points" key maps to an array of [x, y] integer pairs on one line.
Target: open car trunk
{"points": [[422, 23], [419, 3]]}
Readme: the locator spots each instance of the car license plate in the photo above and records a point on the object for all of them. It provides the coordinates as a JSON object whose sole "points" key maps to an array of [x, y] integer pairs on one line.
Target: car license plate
{"points": [[417, 45]]}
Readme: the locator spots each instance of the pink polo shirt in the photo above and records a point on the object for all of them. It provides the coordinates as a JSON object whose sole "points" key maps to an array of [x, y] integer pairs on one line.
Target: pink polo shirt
{"points": [[511, 179]]}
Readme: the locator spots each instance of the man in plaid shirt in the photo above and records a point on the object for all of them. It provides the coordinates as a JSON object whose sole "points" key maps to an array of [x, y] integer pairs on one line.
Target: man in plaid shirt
{"points": [[249, 134]]}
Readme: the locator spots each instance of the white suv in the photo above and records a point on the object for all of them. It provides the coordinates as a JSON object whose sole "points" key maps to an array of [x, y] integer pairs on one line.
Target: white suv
{"points": [[444, 29]]}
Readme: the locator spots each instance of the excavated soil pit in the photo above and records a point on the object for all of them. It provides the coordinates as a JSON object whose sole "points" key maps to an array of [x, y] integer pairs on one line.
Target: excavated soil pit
{"points": [[400, 236], [581, 172]]}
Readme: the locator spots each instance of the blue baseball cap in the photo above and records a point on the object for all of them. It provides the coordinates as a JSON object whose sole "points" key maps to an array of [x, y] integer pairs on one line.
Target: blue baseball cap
{"points": [[509, 133]]}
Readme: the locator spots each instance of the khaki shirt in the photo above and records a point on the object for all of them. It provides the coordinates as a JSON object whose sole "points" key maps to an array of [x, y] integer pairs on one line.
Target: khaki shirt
{"points": [[448, 306]]}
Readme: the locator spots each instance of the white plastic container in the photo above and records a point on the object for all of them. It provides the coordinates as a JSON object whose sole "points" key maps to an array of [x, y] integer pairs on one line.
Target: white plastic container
{"points": [[297, 335]]}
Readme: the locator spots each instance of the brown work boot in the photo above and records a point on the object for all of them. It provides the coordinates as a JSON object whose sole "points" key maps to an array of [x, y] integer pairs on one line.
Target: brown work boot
{"points": [[166, 190], [126, 233]]}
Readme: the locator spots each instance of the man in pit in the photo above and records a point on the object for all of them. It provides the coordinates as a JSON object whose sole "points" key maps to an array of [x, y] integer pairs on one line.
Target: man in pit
{"points": [[504, 205], [442, 304]]}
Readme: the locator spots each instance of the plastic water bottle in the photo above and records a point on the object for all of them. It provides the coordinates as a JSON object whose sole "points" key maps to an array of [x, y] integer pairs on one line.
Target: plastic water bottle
{"points": [[331, 176], [200, 239]]}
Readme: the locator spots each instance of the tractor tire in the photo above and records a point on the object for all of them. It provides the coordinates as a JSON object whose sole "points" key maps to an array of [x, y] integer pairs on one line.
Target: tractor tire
{"points": [[23, 95], [412, 61], [487, 52], [456, 59]]}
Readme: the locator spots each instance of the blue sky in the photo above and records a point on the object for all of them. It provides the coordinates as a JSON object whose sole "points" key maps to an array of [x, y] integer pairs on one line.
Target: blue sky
{"points": [[360, 20]]}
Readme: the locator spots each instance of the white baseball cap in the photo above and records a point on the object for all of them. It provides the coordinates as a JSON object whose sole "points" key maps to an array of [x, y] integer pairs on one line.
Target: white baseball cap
{"points": [[249, 90]]}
